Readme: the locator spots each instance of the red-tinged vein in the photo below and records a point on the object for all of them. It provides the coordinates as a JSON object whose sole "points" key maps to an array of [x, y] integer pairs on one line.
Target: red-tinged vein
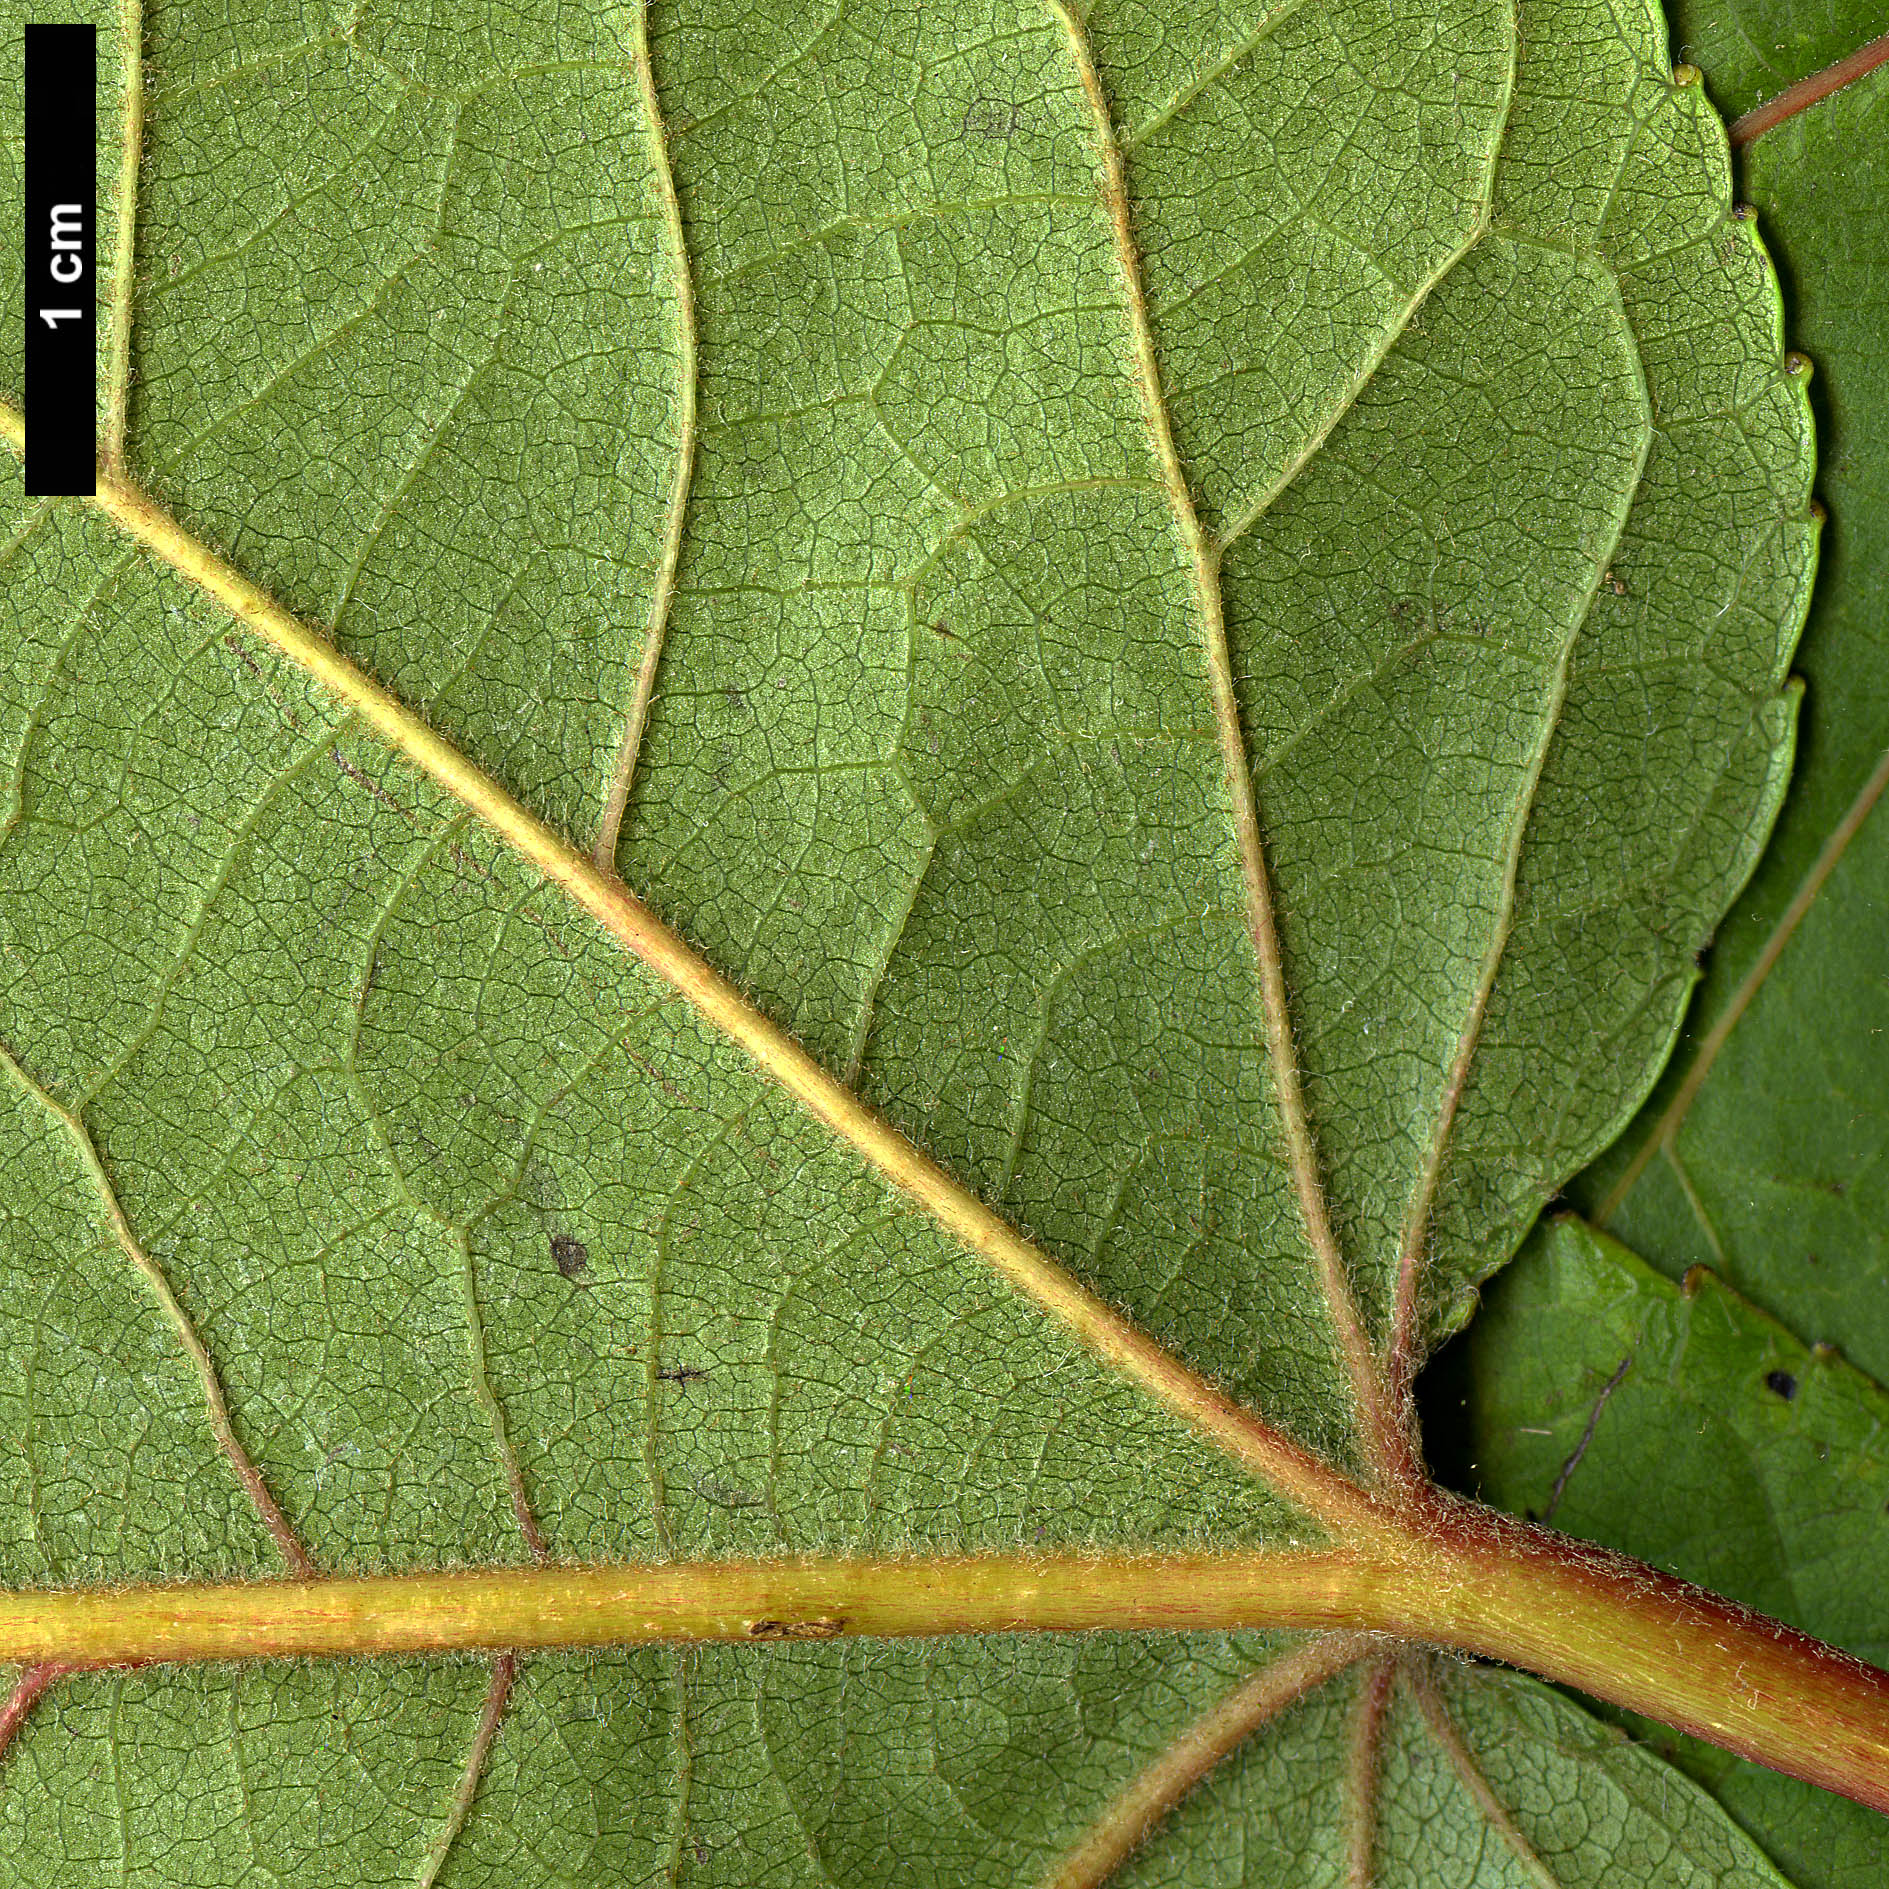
{"points": [[1449, 1740], [1133, 1814], [487, 1400], [1364, 1765], [504, 1671], [1296, 1472], [32, 1686], [125, 247], [286, 1540], [1385, 1439], [656, 623], [1665, 1131], [1807, 92]]}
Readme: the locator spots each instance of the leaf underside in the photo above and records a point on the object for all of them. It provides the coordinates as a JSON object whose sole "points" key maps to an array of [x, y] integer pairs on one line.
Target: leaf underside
{"points": [[1476, 384], [1759, 1155]]}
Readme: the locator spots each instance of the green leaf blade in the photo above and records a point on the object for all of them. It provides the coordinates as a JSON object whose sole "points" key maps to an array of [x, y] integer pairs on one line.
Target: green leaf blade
{"points": [[470, 1210]]}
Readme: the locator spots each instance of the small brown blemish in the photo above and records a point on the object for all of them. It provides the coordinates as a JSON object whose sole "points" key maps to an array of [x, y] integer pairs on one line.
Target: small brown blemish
{"points": [[572, 1256], [1587, 1436], [1613, 583], [824, 1629], [1695, 1278], [683, 1374]]}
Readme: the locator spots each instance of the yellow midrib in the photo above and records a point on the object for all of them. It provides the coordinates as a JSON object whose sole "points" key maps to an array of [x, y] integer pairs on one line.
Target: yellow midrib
{"points": [[1321, 1489]]}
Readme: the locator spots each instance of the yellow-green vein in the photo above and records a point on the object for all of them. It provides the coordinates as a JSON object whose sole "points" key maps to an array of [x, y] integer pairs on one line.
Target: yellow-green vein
{"points": [[286, 1540], [125, 245], [1313, 1483], [662, 594], [1388, 1447]]}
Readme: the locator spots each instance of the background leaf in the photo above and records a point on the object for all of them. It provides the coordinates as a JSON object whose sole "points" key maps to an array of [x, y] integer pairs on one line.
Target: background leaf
{"points": [[1726, 1451], [1750, 50]]}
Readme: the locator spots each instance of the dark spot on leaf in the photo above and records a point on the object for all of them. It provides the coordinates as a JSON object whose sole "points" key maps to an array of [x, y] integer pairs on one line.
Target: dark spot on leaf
{"points": [[988, 119], [1782, 1382], [1587, 1436], [684, 1374], [795, 1629], [726, 1496], [572, 1256]]}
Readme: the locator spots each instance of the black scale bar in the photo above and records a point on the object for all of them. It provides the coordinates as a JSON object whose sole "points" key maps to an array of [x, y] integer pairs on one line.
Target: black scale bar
{"points": [[61, 273]]}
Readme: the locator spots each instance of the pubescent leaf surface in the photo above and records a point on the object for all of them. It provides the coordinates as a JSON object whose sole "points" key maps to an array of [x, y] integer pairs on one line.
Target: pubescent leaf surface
{"points": [[1470, 385], [1761, 1153], [1741, 1447]]}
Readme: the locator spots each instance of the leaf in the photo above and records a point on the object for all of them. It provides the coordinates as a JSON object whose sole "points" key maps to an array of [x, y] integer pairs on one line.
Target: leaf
{"points": [[1757, 1156], [1760, 1154], [906, 467], [1727, 1451], [1751, 50]]}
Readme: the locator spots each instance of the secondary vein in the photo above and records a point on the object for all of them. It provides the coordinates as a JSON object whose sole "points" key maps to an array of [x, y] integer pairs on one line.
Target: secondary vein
{"points": [[1364, 1764], [286, 1539], [498, 1692], [33, 1684], [125, 246], [1406, 1341], [1131, 1816], [1383, 1435], [623, 772], [1665, 1132], [1314, 1484], [1443, 1729]]}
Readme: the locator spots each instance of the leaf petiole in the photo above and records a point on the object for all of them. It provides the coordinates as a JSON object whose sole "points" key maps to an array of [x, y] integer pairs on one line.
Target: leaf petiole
{"points": [[1436, 1570]]}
